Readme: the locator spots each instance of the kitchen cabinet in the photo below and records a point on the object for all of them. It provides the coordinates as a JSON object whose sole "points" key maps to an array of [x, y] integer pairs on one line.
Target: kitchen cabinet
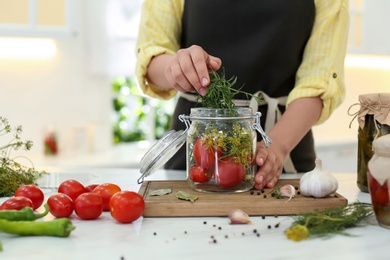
{"points": [[368, 33], [37, 18]]}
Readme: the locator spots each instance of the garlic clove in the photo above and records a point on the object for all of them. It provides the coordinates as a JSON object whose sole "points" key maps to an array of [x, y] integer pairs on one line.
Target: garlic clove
{"points": [[287, 190], [238, 216], [318, 183]]}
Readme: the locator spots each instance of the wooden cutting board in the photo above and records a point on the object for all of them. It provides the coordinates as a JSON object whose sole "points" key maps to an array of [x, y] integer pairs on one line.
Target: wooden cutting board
{"points": [[254, 202]]}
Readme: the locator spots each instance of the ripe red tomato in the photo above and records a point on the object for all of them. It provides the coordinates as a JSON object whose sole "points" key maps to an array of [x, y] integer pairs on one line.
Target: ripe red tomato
{"points": [[33, 192], [379, 193], [106, 190], [61, 205], [88, 206], [16, 203], [72, 188], [90, 187], [205, 156], [126, 206], [228, 173], [199, 174]]}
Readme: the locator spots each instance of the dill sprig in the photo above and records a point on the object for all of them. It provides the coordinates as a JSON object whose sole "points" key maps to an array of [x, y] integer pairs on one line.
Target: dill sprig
{"points": [[329, 222], [13, 174], [220, 93]]}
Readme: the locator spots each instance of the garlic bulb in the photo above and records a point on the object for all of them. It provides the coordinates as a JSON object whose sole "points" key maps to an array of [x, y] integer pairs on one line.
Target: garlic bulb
{"points": [[318, 183]]}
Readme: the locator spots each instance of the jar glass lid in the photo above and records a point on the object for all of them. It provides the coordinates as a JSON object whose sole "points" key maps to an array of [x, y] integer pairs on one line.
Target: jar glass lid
{"points": [[161, 152]]}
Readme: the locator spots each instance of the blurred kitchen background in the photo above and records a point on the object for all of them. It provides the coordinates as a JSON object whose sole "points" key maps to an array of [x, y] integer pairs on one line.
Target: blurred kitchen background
{"points": [[67, 73]]}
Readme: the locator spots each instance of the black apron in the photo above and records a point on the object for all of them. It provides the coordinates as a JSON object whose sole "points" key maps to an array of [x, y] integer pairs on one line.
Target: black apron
{"points": [[259, 41]]}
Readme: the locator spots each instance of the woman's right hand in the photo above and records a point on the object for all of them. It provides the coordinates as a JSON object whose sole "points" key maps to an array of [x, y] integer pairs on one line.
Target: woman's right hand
{"points": [[188, 70]]}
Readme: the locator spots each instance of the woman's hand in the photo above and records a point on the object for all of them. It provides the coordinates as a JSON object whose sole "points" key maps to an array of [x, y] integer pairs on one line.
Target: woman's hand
{"points": [[271, 161], [186, 71]]}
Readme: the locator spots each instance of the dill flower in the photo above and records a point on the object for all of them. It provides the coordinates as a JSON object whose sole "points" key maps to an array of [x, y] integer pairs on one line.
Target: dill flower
{"points": [[297, 233]]}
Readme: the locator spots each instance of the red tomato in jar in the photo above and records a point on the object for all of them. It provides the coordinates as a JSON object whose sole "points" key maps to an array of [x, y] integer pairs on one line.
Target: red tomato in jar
{"points": [[88, 206], [72, 188], [228, 173], [33, 192], [90, 187], [16, 203], [106, 190], [205, 156], [61, 205], [199, 174], [379, 193], [126, 206]]}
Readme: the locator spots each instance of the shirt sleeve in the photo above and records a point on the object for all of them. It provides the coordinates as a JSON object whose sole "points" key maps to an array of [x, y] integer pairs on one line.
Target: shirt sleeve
{"points": [[159, 32], [322, 70]]}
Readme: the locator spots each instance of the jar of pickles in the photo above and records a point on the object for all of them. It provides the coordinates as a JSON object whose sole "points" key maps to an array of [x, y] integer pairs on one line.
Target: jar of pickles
{"points": [[221, 148], [374, 121]]}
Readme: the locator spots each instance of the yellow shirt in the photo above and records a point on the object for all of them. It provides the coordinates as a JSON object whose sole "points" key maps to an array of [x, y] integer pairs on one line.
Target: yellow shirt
{"points": [[321, 72]]}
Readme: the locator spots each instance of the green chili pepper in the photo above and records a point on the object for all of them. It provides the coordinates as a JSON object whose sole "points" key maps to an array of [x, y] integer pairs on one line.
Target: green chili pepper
{"points": [[60, 227], [25, 213]]}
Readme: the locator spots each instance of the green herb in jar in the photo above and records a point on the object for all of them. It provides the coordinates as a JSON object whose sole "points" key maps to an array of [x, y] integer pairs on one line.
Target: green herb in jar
{"points": [[220, 93]]}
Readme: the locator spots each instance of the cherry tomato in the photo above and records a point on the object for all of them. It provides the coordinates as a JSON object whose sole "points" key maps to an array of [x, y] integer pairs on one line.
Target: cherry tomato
{"points": [[199, 174], [16, 203], [205, 156], [126, 206], [228, 173], [61, 205], [33, 192], [88, 206], [106, 190], [72, 188], [90, 187]]}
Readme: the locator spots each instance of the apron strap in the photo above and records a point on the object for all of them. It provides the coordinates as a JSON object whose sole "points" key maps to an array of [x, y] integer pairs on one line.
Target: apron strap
{"points": [[273, 115]]}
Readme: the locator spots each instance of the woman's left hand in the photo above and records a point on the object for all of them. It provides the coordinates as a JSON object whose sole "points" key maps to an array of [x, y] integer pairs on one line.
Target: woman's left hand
{"points": [[271, 161]]}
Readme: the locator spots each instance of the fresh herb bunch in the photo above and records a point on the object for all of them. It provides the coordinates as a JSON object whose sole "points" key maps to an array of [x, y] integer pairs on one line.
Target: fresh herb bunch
{"points": [[220, 93], [330, 221], [13, 174]]}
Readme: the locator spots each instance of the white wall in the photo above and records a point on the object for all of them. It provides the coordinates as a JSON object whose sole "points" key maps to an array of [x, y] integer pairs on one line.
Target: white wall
{"points": [[62, 91]]}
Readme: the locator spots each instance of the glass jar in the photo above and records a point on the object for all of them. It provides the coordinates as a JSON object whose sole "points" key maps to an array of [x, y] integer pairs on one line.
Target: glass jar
{"points": [[221, 149], [379, 180], [374, 121], [221, 146]]}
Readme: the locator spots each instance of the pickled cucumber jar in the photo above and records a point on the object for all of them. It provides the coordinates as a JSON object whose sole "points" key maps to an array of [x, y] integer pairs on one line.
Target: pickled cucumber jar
{"points": [[220, 146], [374, 122]]}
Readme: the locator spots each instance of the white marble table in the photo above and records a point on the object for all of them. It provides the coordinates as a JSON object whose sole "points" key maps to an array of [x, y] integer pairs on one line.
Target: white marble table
{"points": [[190, 238]]}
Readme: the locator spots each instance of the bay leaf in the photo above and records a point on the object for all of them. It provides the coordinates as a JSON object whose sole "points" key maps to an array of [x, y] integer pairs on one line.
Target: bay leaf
{"points": [[186, 196]]}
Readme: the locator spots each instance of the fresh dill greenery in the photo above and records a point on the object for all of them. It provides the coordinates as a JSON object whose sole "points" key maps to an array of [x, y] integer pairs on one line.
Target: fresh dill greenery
{"points": [[13, 174], [329, 222], [220, 93]]}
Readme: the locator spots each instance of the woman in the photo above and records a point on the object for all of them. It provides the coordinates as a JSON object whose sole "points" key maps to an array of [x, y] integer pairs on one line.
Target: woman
{"points": [[291, 51]]}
